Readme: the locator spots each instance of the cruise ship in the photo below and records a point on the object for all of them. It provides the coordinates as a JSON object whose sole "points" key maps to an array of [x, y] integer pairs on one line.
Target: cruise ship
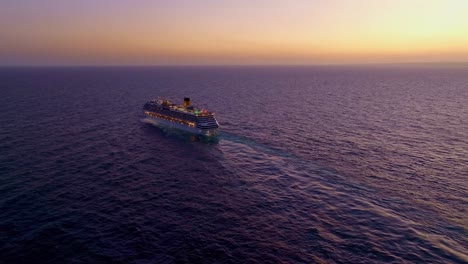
{"points": [[185, 117]]}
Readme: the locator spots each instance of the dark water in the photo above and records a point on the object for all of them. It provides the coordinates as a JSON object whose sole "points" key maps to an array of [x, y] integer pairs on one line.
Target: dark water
{"points": [[314, 164]]}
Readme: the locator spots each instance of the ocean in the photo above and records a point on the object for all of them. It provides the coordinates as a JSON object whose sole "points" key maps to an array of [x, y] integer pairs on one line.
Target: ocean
{"points": [[313, 164]]}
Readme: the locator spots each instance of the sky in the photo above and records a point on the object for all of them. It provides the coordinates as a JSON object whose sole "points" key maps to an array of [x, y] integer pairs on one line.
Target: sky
{"points": [[215, 32]]}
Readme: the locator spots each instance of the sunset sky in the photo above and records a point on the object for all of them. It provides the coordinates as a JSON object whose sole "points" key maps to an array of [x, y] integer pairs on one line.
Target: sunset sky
{"points": [[181, 32]]}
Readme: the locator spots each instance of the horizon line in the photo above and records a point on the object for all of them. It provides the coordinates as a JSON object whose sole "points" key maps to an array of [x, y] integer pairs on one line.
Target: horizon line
{"points": [[440, 63]]}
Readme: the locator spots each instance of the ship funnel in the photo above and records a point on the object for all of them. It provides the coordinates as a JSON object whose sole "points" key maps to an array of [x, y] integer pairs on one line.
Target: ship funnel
{"points": [[186, 101]]}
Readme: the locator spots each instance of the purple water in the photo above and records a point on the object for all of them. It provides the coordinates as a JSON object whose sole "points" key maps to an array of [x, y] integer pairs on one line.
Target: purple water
{"points": [[313, 165]]}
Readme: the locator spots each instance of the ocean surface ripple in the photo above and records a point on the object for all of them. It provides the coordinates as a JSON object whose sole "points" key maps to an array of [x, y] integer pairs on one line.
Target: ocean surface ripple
{"points": [[325, 164]]}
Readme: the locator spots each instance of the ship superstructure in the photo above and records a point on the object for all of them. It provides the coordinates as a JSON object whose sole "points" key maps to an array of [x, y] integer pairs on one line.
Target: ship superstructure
{"points": [[185, 117]]}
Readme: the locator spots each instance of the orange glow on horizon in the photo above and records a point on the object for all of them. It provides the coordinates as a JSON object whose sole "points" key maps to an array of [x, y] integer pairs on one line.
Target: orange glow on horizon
{"points": [[243, 32]]}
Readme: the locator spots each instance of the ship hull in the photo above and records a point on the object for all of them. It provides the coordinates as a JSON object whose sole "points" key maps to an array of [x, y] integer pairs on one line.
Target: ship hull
{"points": [[166, 123]]}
